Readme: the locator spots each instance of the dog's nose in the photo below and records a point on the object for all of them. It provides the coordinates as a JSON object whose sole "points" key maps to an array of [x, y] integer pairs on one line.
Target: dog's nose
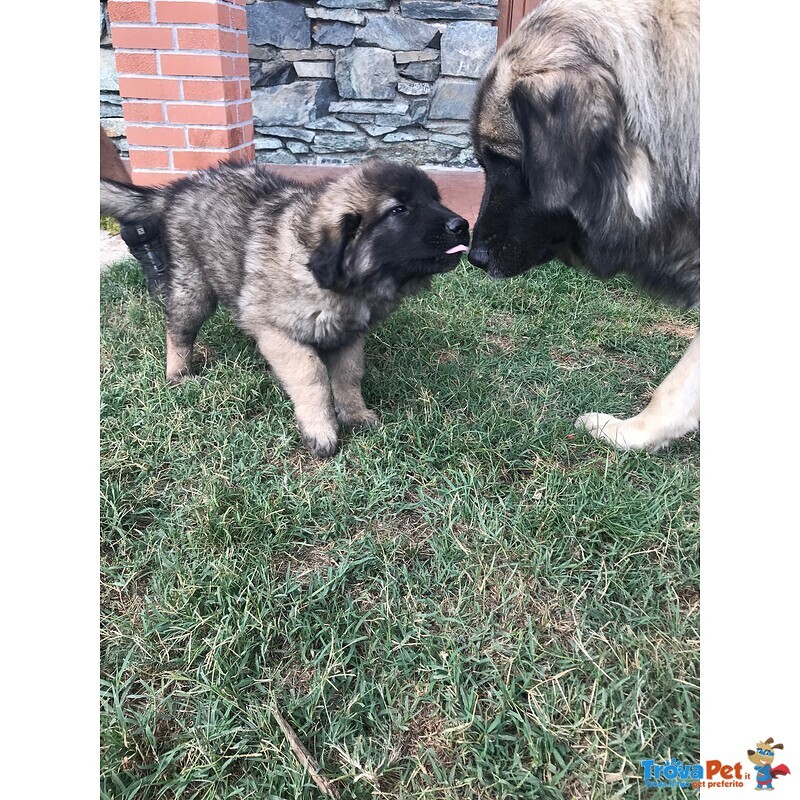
{"points": [[479, 257], [457, 225]]}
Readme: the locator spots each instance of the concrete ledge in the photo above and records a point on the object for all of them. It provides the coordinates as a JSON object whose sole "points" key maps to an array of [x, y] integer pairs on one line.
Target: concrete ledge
{"points": [[461, 189]]}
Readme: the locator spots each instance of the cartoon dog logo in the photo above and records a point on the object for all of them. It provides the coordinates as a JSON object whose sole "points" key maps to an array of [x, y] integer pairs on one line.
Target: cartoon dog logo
{"points": [[762, 757]]}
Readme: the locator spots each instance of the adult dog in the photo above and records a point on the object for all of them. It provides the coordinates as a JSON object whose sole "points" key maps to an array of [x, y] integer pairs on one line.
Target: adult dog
{"points": [[587, 127], [306, 270]]}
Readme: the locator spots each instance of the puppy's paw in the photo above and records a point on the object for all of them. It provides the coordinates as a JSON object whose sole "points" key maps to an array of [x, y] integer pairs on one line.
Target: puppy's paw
{"points": [[323, 443], [360, 420], [624, 434], [177, 378]]}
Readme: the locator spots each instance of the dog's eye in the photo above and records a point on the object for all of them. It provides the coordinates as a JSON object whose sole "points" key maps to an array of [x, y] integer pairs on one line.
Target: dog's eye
{"points": [[401, 209]]}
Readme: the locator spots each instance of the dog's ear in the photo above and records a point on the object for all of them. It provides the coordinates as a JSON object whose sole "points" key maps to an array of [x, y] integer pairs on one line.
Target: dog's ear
{"points": [[327, 261], [565, 125]]}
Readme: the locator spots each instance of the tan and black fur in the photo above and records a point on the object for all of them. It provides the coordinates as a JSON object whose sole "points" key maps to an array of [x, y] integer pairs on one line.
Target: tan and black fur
{"points": [[305, 269], [587, 127]]}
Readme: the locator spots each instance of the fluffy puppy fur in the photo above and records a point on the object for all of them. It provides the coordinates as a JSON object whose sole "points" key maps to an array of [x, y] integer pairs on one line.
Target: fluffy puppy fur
{"points": [[305, 269]]}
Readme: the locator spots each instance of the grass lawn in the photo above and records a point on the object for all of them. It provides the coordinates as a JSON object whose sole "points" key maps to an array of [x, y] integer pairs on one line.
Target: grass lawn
{"points": [[473, 600]]}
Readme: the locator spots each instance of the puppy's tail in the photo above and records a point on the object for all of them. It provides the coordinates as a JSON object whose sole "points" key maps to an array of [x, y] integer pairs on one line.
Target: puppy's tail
{"points": [[130, 203]]}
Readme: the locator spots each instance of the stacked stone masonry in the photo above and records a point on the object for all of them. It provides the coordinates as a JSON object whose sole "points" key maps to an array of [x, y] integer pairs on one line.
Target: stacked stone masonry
{"points": [[335, 80]]}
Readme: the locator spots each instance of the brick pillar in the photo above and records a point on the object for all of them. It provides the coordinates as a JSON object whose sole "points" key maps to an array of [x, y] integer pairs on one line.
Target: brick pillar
{"points": [[185, 83]]}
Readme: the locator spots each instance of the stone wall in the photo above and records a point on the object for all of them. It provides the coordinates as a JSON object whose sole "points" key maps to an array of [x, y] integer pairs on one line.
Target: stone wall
{"points": [[110, 103], [337, 80]]}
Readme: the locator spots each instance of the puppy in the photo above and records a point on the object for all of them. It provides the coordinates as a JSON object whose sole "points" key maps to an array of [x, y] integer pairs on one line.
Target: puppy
{"points": [[306, 270]]}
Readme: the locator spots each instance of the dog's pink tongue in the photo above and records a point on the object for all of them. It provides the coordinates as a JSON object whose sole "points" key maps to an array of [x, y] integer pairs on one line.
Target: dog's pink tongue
{"points": [[459, 248]]}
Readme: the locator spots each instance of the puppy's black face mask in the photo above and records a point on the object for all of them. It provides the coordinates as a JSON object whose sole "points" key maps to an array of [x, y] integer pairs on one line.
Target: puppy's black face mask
{"points": [[416, 236], [404, 234]]}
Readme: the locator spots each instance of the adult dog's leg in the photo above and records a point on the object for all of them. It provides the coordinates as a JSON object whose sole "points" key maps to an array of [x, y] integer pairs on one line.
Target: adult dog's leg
{"points": [[346, 369], [673, 411], [302, 374]]}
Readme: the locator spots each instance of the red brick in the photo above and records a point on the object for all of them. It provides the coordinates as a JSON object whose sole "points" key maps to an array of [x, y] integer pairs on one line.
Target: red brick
{"points": [[238, 19], [143, 112], [190, 64], [136, 63], [206, 39], [238, 2], [241, 66], [151, 38], [150, 88], [196, 114], [197, 159], [241, 43], [144, 178], [245, 89], [223, 138], [214, 13], [128, 12], [228, 41], [212, 90], [149, 159], [237, 137], [198, 38], [244, 112], [246, 153], [247, 132], [155, 136]]}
